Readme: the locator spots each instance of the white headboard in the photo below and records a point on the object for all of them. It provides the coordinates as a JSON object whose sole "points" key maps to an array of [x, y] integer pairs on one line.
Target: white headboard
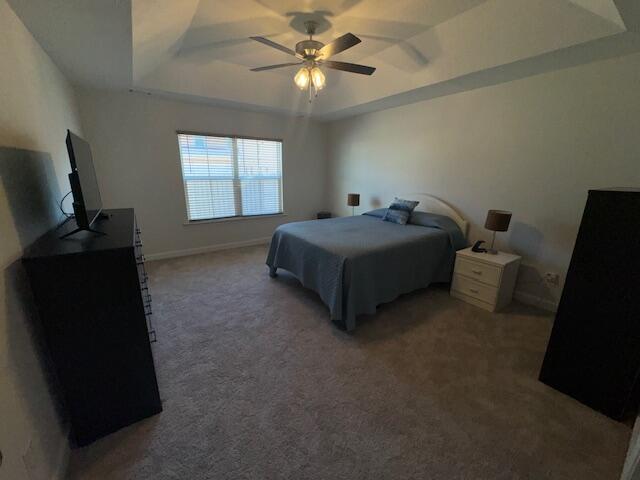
{"points": [[431, 204]]}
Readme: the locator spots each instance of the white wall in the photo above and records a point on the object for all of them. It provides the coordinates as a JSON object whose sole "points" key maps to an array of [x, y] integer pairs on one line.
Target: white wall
{"points": [[37, 105], [533, 146], [134, 143]]}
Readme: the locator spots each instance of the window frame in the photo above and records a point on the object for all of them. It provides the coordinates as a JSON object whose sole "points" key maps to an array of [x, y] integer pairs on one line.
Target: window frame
{"points": [[230, 217]]}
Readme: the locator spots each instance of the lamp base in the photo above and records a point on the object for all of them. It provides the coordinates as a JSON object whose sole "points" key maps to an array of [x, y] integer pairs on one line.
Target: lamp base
{"points": [[491, 250]]}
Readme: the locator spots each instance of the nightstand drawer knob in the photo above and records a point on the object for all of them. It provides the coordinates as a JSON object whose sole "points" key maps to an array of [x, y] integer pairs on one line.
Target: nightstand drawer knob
{"points": [[473, 290], [477, 272]]}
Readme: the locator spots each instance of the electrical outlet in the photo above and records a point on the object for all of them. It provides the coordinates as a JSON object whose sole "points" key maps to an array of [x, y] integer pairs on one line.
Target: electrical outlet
{"points": [[552, 278]]}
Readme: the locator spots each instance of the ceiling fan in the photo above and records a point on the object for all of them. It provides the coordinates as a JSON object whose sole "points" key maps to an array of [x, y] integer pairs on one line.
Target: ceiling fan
{"points": [[313, 55]]}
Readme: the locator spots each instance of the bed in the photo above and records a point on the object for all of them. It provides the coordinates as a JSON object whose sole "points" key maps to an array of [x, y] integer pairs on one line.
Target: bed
{"points": [[357, 263]]}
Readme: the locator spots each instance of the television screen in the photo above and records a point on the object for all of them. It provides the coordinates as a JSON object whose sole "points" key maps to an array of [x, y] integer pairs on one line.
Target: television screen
{"points": [[87, 203]]}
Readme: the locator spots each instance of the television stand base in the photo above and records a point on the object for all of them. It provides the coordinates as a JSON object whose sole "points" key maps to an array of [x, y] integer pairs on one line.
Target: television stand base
{"points": [[79, 229], [100, 216]]}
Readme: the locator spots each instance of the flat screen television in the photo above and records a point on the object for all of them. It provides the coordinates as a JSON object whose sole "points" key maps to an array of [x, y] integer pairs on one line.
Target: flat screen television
{"points": [[87, 203]]}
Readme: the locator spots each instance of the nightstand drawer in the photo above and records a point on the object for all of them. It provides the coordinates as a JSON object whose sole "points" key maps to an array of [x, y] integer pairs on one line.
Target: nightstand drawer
{"points": [[474, 289], [479, 271]]}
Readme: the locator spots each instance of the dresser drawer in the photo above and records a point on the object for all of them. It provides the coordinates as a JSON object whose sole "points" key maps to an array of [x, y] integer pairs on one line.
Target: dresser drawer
{"points": [[482, 272], [474, 289]]}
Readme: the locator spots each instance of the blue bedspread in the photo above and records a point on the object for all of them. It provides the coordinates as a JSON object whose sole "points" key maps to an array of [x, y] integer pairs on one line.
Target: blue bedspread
{"points": [[356, 263]]}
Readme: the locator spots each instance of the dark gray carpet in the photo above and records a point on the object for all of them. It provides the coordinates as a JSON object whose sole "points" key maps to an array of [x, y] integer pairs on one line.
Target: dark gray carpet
{"points": [[258, 384]]}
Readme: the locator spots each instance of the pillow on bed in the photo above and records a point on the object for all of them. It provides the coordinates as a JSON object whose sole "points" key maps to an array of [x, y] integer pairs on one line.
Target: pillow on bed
{"points": [[378, 212], [399, 211], [426, 219], [441, 222]]}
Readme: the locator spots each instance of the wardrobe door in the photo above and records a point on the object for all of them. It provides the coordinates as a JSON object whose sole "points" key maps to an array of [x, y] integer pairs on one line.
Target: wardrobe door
{"points": [[594, 350]]}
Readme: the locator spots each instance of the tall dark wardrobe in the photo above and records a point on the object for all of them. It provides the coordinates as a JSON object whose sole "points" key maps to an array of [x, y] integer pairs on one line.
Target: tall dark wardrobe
{"points": [[594, 350]]}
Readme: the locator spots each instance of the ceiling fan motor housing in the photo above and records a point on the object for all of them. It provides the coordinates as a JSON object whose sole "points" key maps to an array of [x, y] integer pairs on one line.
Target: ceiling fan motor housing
{"points": [[308, 48]]}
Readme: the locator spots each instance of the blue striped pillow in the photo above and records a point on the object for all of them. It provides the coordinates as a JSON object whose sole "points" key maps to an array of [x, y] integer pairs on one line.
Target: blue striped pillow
{"points": [[399, 211]]}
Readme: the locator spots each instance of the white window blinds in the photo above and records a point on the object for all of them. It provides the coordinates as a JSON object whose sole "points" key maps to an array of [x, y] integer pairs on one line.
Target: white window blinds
{"points": [[230, 176]]}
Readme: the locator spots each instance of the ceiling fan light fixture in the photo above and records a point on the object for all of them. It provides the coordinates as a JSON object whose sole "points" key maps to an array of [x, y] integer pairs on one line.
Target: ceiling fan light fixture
{"points": [[318, 78], [302, 78], [311, 54]]}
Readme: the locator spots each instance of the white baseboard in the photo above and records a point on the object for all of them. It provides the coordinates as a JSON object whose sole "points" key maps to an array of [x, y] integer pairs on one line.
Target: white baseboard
{"points": [[529, 299], [206, 249]]}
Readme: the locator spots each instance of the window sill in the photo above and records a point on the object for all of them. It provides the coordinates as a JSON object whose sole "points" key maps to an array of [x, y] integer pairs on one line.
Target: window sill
{"points": [[233, 219]]}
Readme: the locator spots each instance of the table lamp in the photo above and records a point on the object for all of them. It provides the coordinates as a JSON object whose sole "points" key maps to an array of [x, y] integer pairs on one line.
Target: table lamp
{"points": [[497, 221], [353, 200]]}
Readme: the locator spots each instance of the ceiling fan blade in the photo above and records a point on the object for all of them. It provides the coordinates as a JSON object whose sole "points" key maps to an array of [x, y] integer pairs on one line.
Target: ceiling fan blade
{"points": [[340, 44], [348, 67], [271, 67], [275, 45]]}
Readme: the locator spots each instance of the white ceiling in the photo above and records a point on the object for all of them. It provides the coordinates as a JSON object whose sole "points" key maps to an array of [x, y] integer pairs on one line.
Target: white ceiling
{"points": [[200, 50]]}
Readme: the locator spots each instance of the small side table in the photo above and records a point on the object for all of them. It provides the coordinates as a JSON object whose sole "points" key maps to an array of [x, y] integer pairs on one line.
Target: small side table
{"points": [[483, 279]]}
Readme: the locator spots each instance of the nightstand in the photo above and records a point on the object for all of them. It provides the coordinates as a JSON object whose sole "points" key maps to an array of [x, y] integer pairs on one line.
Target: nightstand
{"points": [[483, 279]]}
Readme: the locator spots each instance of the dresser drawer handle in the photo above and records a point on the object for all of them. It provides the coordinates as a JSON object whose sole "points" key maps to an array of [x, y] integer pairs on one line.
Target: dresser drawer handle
{"points": [[477, 272], [473, 290]]}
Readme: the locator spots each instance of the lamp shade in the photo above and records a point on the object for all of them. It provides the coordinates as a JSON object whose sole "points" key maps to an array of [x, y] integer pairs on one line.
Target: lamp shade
{"points": [[497, 220], [353, 199]]}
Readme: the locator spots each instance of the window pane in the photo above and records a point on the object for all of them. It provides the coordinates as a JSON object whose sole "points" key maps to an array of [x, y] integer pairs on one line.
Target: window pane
{"points": [[259, 158], [260, 173], [206, 156], [226, 176], [260, 197], [210, 199]]}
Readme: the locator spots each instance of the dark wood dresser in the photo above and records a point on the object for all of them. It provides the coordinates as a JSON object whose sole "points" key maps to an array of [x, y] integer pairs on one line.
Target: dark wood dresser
{"points": [[94, 308], [594, 350]]}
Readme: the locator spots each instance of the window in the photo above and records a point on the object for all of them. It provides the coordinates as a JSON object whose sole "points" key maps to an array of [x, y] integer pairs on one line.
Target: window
{"points": [[230, 176]]}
